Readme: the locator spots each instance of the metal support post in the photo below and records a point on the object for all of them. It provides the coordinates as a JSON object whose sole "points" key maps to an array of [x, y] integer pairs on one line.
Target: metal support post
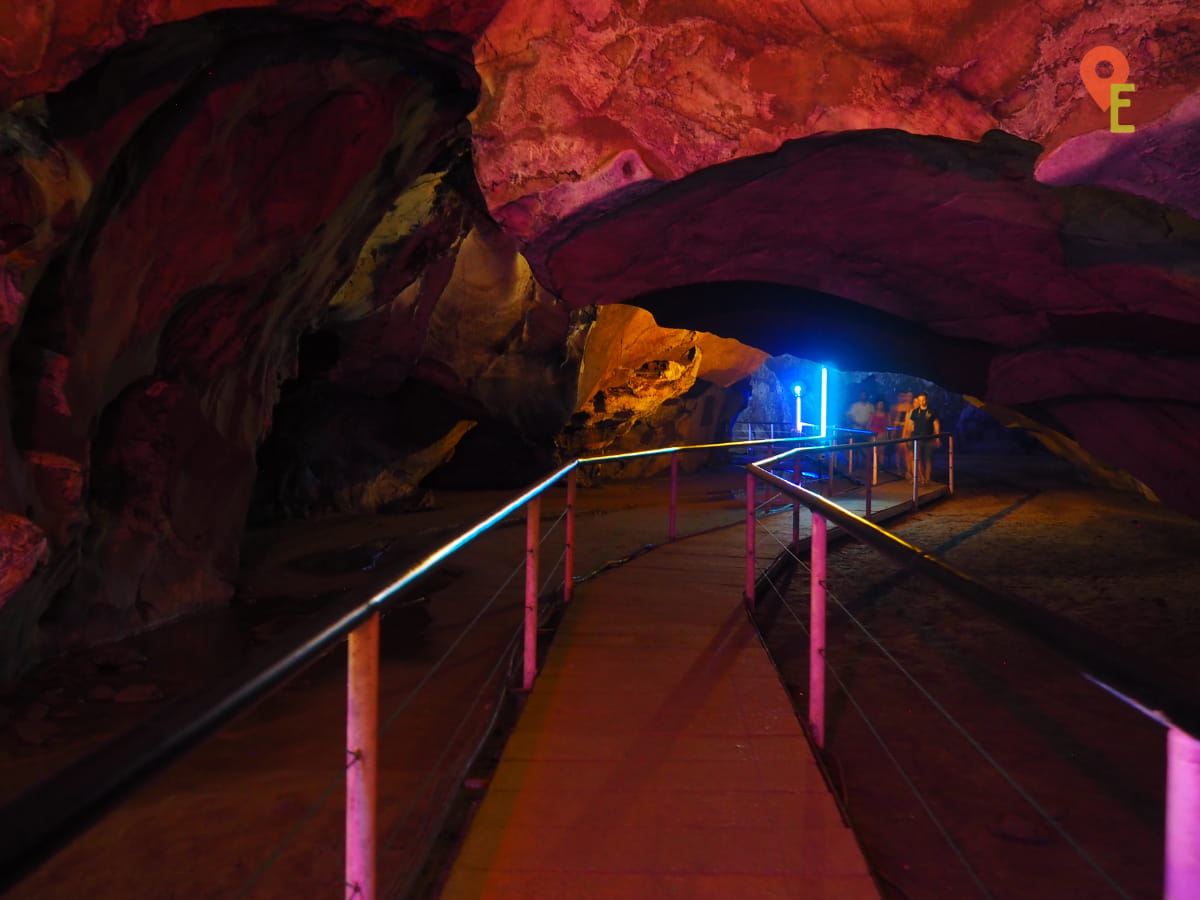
{"points": [[362, 741], [950, 455], [874, 464], [829, 484], [850, 459], [674, 496], [533, 511], [751, 481], [569, 555], [916, 473], [1181, 873], [796, 503], [816, 631]]}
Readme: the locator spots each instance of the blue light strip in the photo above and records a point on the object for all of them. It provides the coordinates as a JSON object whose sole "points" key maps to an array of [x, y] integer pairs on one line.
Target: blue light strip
{"points": [[824, 401]]}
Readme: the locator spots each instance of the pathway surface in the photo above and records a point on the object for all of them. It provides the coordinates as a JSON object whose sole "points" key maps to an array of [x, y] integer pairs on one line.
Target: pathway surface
{"points": [[659, 754]]}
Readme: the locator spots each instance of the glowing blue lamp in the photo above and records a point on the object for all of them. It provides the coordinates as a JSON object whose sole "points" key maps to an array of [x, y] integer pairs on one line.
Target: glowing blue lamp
{"points": [[824, 401]]}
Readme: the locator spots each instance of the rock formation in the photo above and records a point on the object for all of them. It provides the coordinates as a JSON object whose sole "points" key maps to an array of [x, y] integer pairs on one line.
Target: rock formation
{"points": [[240, 246]]}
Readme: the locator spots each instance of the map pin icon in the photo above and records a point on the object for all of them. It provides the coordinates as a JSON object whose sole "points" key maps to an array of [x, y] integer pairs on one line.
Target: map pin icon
{"points": [[1097, 85]]}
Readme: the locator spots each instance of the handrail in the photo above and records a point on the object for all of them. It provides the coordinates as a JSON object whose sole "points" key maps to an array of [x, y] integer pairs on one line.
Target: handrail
{"points": [[1141, 678], [662, 450], [43, 819], [1156, 690]]}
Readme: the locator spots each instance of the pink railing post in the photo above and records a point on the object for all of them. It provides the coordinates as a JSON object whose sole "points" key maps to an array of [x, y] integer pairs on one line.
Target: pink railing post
{"points": [[674, 496], [795, 502], [532, 527], [1181, 872], [751, 484], [362, 740], [816, 631], [874, 478], [569, 555], [950, 455], [916, 471]]}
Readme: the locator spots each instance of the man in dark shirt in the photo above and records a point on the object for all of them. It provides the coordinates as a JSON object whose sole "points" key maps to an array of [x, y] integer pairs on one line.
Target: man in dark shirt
{"points": [[925, 422]]}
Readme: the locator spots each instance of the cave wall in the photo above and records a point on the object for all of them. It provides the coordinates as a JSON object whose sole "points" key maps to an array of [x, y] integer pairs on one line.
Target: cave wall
{"points": [[582, 101], [210, 310], [939, 163], [188, 193], [182, 229]]}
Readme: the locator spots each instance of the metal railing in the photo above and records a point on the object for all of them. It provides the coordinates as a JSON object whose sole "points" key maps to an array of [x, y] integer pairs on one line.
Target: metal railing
{"points": [[769, 430], [48, 816], [1161, 693]]}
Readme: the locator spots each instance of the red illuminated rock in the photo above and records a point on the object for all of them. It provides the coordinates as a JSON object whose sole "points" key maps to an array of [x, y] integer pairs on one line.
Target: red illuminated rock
{"points": [[150, 356], [582, 101], [188, 188], [22, 548]]}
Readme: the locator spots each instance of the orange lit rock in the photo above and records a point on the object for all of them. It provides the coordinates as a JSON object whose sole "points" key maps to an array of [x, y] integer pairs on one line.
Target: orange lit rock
{"points": [[642, 386]]}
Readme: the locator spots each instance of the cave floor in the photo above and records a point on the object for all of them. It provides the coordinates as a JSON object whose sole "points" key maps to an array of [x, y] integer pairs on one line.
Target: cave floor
{"points": [[255, 812]]}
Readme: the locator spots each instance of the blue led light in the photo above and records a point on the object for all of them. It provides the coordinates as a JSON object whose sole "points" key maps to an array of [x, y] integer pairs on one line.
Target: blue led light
{"points": [[824, 401]]}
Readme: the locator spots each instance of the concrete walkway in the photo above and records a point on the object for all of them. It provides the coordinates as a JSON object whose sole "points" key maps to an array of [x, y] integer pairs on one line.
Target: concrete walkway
{"points": [[659, 755]]}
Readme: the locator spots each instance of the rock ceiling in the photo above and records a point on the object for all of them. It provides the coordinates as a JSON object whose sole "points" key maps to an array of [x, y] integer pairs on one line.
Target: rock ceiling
{"points": [[440, 193]]}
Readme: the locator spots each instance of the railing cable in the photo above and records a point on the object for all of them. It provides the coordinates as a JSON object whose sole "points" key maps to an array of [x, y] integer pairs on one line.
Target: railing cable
{"points": [[979, 748], [970, 739], [551, 573], [432, 670], [504, 655], [292, 833], [937, 823]]}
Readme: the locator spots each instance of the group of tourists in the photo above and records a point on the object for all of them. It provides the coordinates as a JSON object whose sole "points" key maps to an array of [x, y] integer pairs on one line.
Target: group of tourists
{"points": [[909, 417]]}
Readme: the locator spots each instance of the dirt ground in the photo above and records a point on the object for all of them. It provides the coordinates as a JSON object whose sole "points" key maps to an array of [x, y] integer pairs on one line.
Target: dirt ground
{"points": [[1090, 769], [256, 811]]}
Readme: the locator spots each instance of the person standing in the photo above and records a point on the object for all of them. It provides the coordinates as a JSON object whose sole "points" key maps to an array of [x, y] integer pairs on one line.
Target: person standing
{"points": [[859, 413], [925, 424], [879, 422]]}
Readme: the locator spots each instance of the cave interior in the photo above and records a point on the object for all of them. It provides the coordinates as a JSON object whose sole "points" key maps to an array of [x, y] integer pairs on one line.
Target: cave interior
{"points": [[310, 259]]}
